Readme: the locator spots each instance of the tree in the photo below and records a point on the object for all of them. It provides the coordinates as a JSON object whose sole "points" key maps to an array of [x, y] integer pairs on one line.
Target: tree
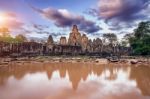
{"points": [[111, 37], [125, 40], [4, 32], [5, 35], [32, 40], [112, 40], [140, 41], [20, 38], [143, 30]]}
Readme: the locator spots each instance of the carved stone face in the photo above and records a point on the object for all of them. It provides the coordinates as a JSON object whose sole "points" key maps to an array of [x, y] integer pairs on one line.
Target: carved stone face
{"points": [[63, 41], [75, 36]]}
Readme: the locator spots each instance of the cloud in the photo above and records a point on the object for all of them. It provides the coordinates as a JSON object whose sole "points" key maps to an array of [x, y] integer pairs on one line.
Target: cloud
{"points": [[35, 29], [10, 14], [37, 39], [63, 18], [43, 31], [124, 10], [15, 24], [39, 27], [57, 34], [115, 26], [11, 21], [121, 12], [89, 27]]}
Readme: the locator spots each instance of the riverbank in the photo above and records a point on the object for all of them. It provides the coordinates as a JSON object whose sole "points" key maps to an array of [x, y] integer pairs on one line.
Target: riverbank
{"points": [[85, 59]]}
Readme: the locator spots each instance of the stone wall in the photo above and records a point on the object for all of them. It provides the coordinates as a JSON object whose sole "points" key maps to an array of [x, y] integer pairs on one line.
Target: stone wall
{"points": [[24, 48]]}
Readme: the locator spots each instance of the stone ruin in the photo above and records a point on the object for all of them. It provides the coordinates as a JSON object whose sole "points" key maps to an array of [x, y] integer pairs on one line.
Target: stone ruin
{"points": [[63, 41], [76, 39], [77, 43]]}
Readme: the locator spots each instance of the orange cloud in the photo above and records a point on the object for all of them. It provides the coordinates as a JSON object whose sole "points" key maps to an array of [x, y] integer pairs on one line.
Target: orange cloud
{"points": [[10, 20]]}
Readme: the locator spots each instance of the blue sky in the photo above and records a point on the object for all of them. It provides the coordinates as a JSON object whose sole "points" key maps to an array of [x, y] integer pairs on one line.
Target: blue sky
{"points": [[40, 18]]}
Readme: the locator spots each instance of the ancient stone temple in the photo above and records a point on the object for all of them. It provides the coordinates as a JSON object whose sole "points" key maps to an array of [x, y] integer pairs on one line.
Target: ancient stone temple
{"points": [[77, 45], [50, 40], [48, 48], [75, 37], [84, 42], [63, 41]]}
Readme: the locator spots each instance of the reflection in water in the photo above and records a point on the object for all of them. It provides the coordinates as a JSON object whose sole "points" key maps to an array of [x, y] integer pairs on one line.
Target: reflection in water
{"points": [[142, 77], [73, 81]]}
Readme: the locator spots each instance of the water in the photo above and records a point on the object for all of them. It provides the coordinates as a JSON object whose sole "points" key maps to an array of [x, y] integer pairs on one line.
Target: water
{"points": [[74, 81]]}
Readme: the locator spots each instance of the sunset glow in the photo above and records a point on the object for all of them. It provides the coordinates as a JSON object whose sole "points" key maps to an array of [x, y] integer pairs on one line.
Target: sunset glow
{"points": [[2, 19]]}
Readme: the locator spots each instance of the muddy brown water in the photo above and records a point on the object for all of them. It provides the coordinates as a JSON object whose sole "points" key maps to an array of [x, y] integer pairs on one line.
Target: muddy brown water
{"points": [[74, 81]]}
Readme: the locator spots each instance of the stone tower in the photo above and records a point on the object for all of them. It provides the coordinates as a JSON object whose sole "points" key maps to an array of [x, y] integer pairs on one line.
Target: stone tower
{"points": [[50, 44], [75, 37], [50, 40], [63, 41]]}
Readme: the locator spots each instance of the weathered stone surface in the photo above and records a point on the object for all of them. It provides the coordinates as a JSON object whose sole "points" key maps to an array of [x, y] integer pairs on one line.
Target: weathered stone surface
{"points": [[50, 40], [101, 61], [84, 42], [50, 44], [89, 46], [63, 41], [75, 37], [77, 44], [97, 44]]}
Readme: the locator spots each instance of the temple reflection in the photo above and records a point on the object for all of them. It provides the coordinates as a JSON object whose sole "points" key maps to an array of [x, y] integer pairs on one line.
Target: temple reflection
{"points": [[78, 72], [142, 76]]}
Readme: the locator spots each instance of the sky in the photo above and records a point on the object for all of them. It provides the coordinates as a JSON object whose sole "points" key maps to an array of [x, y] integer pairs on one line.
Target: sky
{"points": [[40, 18]]}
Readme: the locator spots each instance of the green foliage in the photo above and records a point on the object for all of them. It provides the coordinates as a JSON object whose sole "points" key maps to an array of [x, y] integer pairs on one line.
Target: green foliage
{"points": [[143, 30], [6, 37], [140, 41], [5, 32], [20, 38]]}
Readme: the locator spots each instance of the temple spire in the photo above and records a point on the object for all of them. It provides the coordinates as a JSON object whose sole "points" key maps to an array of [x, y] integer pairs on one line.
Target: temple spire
{"points": [[75, 28]]}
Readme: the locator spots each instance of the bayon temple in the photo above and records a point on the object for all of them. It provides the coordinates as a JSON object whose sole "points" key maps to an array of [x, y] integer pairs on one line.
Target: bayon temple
{"points": [[76, 44]]}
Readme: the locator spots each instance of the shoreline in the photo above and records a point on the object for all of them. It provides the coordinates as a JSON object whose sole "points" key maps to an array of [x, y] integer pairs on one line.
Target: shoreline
{"points": [[55, 59]]}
